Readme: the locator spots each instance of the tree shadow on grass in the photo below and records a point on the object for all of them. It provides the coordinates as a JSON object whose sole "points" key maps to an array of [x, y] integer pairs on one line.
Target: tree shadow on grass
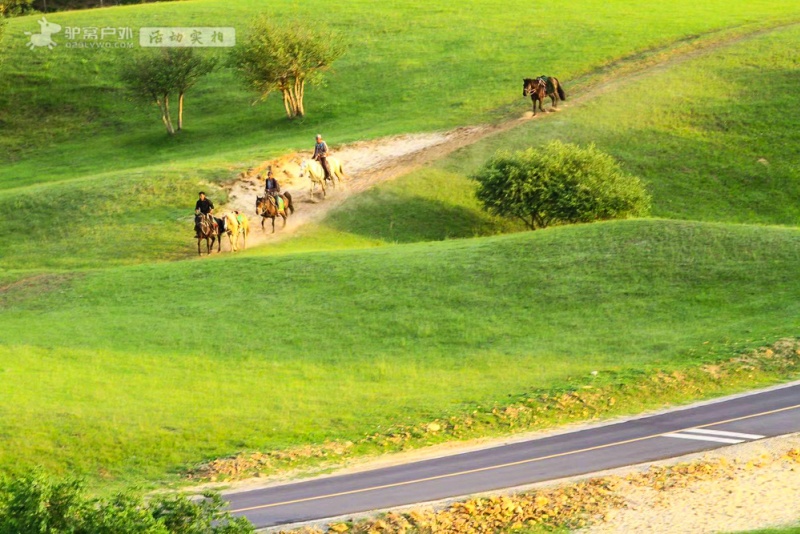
{"points": [[399, 218]]}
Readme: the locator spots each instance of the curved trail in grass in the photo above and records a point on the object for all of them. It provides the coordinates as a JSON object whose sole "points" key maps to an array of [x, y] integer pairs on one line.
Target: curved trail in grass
{"points": [[366, 166]]}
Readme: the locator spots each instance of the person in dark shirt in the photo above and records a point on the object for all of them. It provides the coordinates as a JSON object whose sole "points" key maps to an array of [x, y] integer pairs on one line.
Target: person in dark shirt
{"points": [[271, 186], [321, 155], [204, 204], [203, 208], [273, 190]]}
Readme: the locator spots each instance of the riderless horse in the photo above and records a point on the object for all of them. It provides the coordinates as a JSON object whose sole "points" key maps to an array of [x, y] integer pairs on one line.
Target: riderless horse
{"points": [[543, 86]]}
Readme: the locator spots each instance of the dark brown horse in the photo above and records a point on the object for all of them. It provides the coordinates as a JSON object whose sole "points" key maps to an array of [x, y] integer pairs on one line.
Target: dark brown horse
{"points": [[266, 207], [206, 229], [541, 87]]}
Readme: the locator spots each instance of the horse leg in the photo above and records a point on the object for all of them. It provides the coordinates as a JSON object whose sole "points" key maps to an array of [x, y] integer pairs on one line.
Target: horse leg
{"points": [[262, 224], [198, 246], [273, 224], [284, 219]]}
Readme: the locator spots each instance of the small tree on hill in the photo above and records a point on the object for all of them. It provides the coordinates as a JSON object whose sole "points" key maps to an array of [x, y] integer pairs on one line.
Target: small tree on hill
{"points": [[188, 68], [156, 76], [562, 183], [284, 58]]}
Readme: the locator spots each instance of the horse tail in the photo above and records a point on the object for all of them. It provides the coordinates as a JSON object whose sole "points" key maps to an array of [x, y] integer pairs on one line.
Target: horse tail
{"points": [[289, 204], [561, 94]]}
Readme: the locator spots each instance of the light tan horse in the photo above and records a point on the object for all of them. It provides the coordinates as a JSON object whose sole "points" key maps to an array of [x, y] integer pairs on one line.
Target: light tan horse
{"points": [[236, 224], [317, 174]]}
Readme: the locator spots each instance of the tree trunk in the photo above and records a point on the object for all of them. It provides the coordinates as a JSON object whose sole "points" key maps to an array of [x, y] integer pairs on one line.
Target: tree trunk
{"points": [[287, 104], [302, 90], [165, 115], [180, 111], [298, 96], [292, 101]]}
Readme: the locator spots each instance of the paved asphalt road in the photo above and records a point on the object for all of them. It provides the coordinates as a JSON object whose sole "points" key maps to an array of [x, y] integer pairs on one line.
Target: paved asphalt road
{"points": [[682, 431]]}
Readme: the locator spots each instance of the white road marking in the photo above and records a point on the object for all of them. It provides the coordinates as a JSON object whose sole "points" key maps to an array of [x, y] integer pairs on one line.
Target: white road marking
{"points": [[724, 433], [702, 438]]}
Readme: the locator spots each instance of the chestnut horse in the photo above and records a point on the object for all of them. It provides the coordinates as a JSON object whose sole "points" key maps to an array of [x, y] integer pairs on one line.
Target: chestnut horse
{"points": [[268, 210], [543, 86]]}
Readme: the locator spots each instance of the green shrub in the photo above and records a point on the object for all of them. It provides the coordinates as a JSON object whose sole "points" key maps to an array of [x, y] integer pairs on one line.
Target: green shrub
{"points": [[16, 8], [38, 504], [563, 183]]}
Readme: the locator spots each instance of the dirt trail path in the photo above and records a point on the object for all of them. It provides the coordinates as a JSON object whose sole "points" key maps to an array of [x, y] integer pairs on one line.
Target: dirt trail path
{"points": [[365, 164], [368, 163]]}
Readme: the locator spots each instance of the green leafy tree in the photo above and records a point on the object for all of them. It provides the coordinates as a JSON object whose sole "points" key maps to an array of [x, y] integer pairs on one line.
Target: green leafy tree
{"points": [[286, 57], [156, 76], [562, 183], [187, 69]]}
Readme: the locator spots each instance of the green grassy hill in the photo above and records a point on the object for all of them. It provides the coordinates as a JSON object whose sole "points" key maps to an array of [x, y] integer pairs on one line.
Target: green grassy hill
{"points": [[126, 367], [705, 149], [129, 373], [413, 66]]}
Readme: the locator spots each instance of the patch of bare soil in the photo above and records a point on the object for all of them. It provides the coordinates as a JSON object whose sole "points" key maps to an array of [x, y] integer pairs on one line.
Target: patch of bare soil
{"points": [[365, 164], [755, 485]]}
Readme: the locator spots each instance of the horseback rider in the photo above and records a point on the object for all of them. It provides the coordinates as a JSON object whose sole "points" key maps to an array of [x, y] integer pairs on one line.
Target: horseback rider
{"points": [[203, 209], [271, 186], [272, 189], [321, 155]]}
